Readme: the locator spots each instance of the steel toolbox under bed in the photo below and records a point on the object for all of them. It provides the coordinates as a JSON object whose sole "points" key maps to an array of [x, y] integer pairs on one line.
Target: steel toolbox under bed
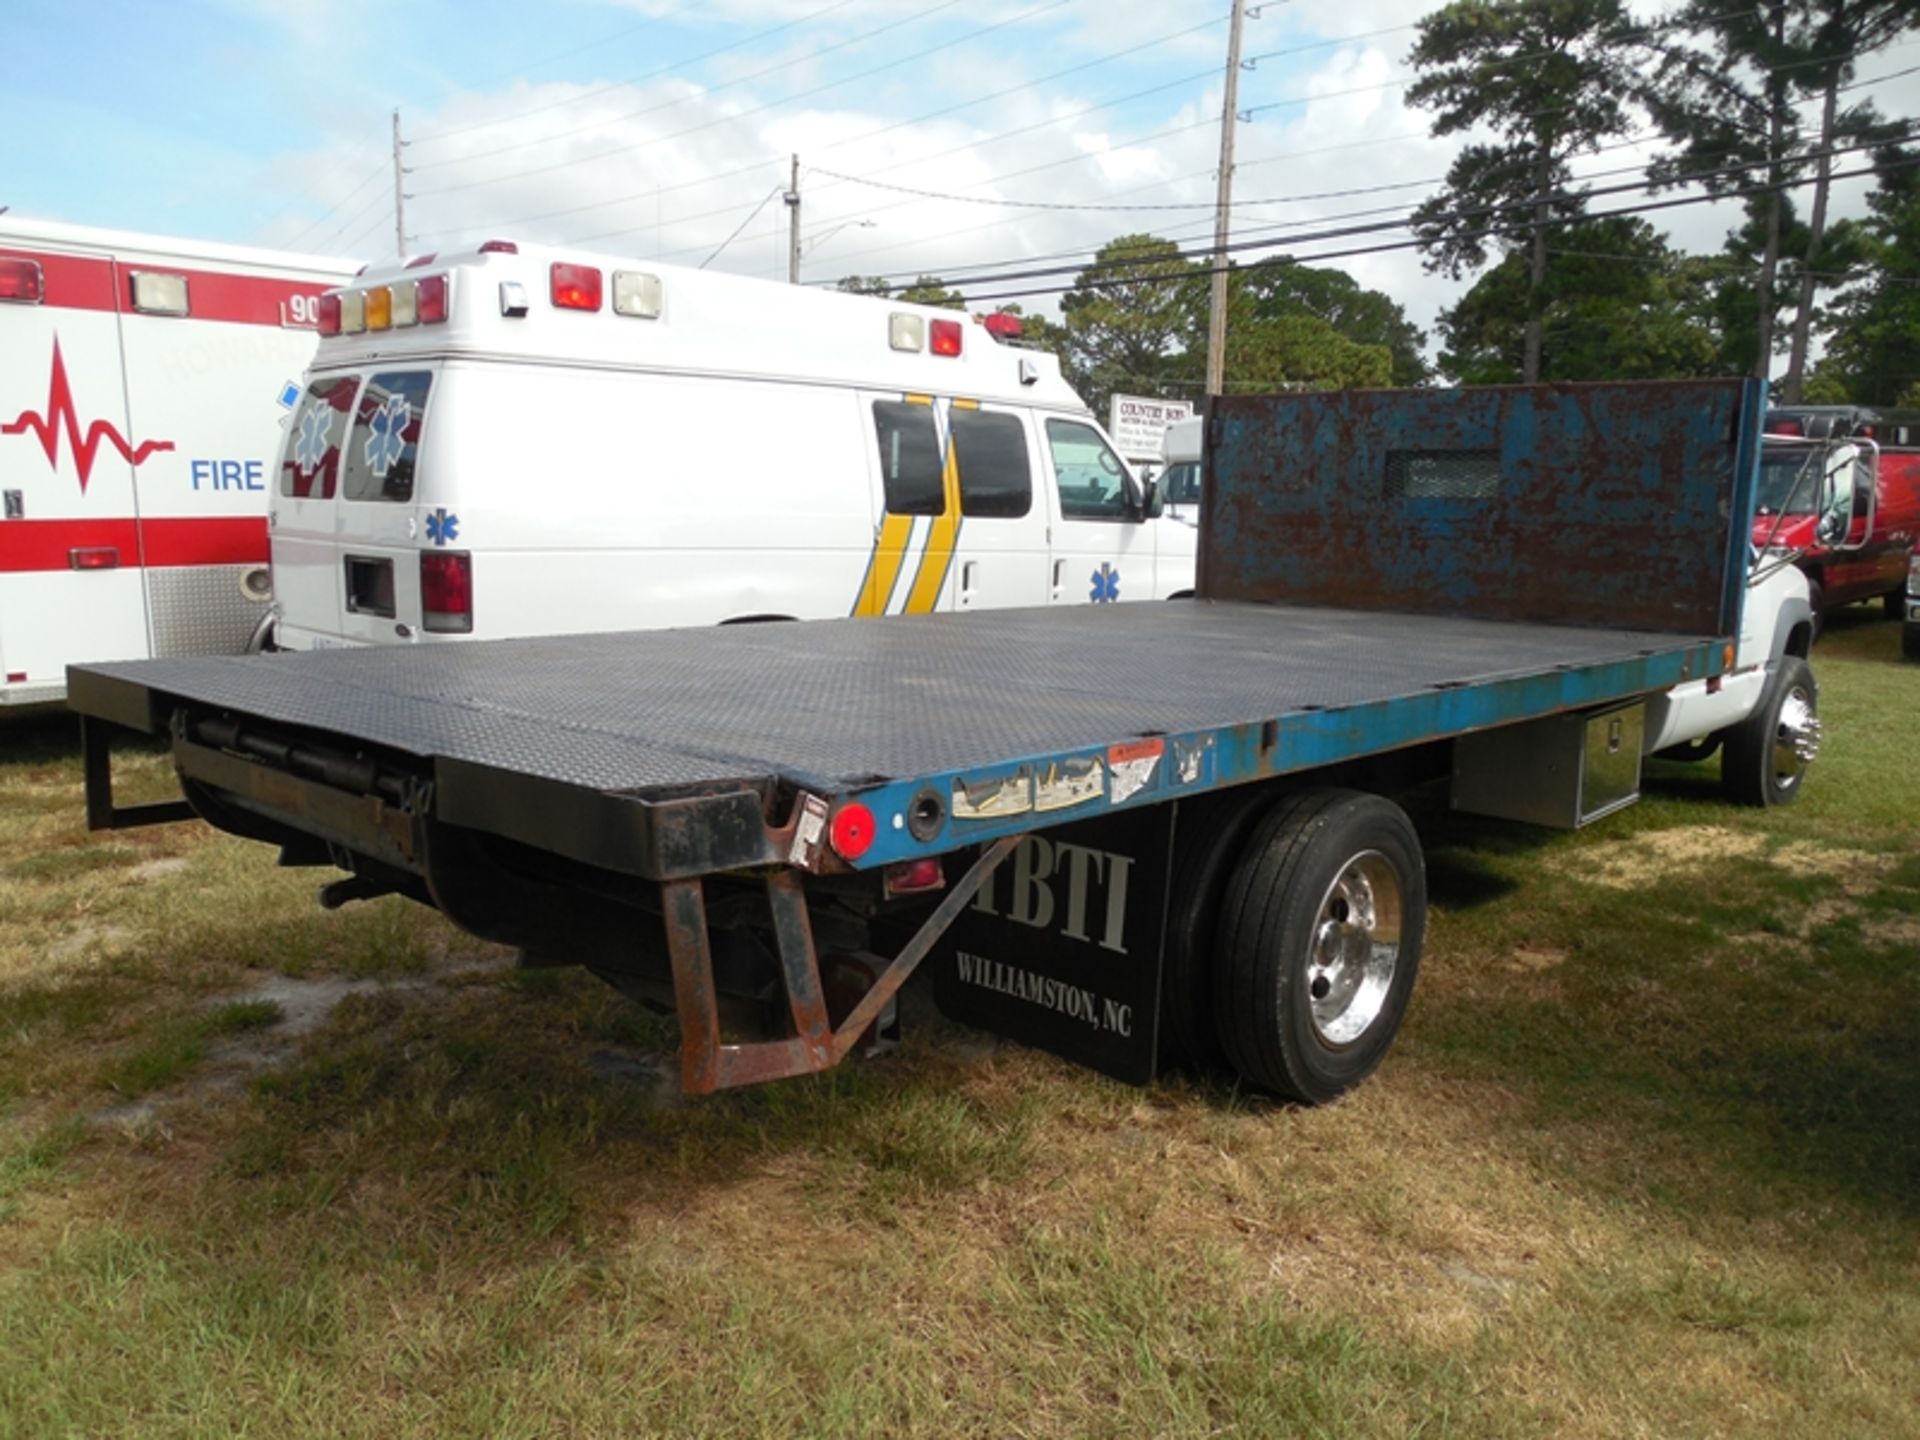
{"points": [[789, 754]]}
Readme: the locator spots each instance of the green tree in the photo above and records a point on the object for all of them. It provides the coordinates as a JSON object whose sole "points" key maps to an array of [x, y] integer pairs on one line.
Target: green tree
{"points": [[1619, 304], [1723, 91], [1275, 289], [1550, 79], [1873, 327], [1128, 315], [1835, 35]]}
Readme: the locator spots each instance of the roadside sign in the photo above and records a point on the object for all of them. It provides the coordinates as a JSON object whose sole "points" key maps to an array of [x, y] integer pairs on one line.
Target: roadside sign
{"points": [[1137, 422]]}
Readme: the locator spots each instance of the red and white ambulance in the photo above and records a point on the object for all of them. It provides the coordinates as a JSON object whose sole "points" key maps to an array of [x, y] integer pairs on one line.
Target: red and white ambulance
{"points": [[144, 386]]}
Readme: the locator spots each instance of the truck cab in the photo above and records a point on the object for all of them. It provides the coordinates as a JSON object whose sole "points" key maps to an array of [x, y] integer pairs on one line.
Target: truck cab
{"points": [[1181, 448], [1802, 459]]}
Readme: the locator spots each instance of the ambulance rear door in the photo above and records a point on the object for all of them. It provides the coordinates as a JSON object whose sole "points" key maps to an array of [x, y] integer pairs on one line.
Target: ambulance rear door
{"points": [[304, 521], [69, 544]]}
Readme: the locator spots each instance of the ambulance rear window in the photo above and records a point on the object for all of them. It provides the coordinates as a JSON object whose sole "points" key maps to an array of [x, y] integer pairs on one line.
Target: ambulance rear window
{"points": [[909, 458], [386, 436], [310, 468]]}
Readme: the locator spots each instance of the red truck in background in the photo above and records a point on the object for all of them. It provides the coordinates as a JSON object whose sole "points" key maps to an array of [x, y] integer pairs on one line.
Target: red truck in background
{"points": [[1872, 559]]}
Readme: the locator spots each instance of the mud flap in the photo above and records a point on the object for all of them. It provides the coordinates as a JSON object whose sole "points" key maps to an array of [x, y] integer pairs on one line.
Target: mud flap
{"points": [[1061, 950]]}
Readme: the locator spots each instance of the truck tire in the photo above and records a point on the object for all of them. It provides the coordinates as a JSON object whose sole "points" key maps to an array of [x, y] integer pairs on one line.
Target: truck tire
{"points": [[1910, 640], [1767, 754], [1894, 603], [1319, 943], [1208, 838]]}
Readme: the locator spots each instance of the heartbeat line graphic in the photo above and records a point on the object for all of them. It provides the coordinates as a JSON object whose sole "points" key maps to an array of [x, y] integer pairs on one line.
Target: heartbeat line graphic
{"points": [[59, 417]]}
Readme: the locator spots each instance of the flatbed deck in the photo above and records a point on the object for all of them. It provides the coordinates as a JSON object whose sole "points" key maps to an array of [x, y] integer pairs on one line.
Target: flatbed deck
{"points": [[835, 707]]}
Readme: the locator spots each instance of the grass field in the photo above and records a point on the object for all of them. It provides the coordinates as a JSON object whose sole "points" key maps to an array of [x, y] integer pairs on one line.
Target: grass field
{"points": [[1646, 1161]]}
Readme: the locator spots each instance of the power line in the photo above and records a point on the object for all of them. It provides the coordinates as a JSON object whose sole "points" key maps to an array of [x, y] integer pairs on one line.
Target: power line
{"points": [[657, 191], [703, 94], [333, 209], [776, 190], [636, 79], [757, 109], [1514, 228], [1457, 213]]}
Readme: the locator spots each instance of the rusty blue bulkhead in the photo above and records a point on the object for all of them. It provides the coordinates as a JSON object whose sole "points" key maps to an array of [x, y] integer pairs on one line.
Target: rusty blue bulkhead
{"points": [[1619, 505]]}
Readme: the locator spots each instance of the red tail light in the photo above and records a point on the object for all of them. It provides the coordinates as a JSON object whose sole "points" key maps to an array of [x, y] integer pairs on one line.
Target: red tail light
{"points": [[914, 877], [944, 336], [329, 313], [446, 591], [576, 287], [20, 280], [431, 299]]}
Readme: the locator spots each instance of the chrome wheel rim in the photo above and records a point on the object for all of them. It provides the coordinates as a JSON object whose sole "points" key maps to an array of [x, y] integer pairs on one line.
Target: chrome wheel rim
{"points": [[1796, 737], [1355, 948]]}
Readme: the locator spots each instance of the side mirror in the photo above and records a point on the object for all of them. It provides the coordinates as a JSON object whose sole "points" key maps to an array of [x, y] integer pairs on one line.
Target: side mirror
{"points": [[1846, 491], [1156, 499]]}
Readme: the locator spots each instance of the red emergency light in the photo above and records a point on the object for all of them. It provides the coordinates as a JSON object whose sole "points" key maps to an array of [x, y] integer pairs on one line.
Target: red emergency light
{"points": [[430, 299], [94, 557], [20, 280], [1003, 326], [1785, 427], [499, 247], [329, 313], [446, 591], [944, 337], [420, 262], [576, 287]]}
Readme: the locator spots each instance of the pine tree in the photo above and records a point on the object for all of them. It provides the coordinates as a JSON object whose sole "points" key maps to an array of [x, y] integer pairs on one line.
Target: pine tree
{"points": [[1550, 78]]}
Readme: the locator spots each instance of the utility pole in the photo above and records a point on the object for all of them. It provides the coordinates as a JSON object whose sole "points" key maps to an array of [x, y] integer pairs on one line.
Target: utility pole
{"points": [[1217, 309], [792, 198], [399, 193]]}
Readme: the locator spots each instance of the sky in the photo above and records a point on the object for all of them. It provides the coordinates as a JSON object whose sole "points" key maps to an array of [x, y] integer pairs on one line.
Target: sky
{"points": [[933, 135]]}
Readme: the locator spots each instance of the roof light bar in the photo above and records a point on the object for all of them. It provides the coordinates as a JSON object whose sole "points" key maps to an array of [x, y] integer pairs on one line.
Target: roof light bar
{"points": [[21, 280], [157, 293], [430, 299], [906, 332], [636, 293], [575, 287]]}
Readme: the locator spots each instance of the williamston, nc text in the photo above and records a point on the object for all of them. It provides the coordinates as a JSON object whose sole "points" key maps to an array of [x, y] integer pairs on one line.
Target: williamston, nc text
{"points": [[1073, 1001]]}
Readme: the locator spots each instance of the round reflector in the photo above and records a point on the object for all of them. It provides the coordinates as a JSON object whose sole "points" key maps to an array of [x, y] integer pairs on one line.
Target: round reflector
{"points": [[852, 831]]}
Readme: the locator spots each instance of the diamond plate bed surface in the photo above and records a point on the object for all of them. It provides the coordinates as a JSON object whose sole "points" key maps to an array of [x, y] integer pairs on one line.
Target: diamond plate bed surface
{"points": [[833, 704]]}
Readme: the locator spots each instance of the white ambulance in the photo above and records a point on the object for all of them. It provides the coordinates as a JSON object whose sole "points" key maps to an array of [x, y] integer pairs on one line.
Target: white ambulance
{"points": [[143, 385], [512, 441]]}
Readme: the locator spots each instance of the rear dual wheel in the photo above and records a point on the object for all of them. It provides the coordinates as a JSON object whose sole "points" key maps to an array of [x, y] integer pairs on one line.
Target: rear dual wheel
{"points": [[1316, 935]]}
